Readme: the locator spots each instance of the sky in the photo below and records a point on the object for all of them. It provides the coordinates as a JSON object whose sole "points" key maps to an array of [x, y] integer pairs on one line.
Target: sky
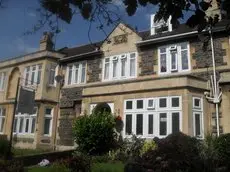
{"points": [[19, 16]]}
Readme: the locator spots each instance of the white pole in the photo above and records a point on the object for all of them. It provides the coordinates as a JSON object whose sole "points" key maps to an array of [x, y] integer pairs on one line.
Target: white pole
{"points": [[215, 84]]}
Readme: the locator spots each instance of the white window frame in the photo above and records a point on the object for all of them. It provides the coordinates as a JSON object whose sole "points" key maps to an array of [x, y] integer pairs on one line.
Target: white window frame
{"points": [[158, 24], [198, 110], [2, 116], [28, 81], [2, 80], [169, 110], [72, 82], [53, 68], [169, 69], [119, 76], [48, 116], [24, 117]]}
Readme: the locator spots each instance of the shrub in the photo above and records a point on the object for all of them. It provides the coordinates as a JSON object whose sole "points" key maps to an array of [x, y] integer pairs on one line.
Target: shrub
{"points": [[177, 152], [4, 148], [57, 166], [95, 134], [11, 166], [75, 164], [222, 147], [148, 146]]}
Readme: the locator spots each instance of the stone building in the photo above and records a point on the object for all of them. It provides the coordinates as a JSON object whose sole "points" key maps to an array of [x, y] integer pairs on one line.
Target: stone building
{"points": [[155, 80]]}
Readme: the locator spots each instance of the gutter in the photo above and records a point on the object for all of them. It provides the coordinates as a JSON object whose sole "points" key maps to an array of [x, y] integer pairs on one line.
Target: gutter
{"points": [[164, 38]]}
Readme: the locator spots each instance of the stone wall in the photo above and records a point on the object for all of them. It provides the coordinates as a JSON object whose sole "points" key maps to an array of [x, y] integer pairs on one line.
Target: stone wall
{"points": [[204, 58], [147, 62], [94, 70]]}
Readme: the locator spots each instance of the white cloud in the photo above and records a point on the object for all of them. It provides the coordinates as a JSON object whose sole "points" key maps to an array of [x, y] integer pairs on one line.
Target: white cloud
{"points": [[31, 14]]}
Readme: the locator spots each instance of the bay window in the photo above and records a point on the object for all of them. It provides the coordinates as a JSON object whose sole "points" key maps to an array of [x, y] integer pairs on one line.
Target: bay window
{"points": [[153, 117], [2, 80], [76, 73], [120, 67], [32, 74], [174, 58], [25, 123], [52, 73]]}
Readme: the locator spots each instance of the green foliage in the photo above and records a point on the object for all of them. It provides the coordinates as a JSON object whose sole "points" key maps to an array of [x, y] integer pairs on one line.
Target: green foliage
{"points": [[4, 147], [108, 167], [101, 159], [95, 134], [177, 152], [56, 167], [222, 147], [11, 166], [148, 146]]}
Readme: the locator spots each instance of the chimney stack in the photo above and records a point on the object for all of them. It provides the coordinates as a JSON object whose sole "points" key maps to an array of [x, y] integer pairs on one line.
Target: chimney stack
{"points": [[46, 42]]}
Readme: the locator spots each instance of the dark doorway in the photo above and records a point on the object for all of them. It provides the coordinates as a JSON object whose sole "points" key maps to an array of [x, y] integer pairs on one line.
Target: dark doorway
{"points": [[102, 107]]}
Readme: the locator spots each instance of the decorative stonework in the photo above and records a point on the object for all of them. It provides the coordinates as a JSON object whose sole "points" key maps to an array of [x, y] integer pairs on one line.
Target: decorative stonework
{"points": [[69, 95], [204, 58], [24, 140], [47, 141], [120, 39], [94, 70], [147, 62]]}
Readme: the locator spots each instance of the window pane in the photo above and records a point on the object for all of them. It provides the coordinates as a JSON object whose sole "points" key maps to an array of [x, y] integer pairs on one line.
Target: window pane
{"points": [[48, 111], [39, 77], [139, 126], [76, 75], [150, 103], [128, 125], [163, 102], [129, 104], [175, 122], [70, 75], [139, 104], [15, 125], [197, 102], [106, 74], [123, 66], [27, 126], [173, 61], [33, 125], [184, 46], [2, 123], [197, 125], [47, 126], [163, 63], [175, 102], [163, 123], [184, 59], [83, 73], [20, 125], [132, 65], [162, 50], [114, 68], [150, 128]]}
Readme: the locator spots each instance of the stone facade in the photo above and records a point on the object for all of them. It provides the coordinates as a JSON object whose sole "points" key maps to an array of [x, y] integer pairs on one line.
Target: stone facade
{"points": [[204, 57], [94, 69], [147, 62]]}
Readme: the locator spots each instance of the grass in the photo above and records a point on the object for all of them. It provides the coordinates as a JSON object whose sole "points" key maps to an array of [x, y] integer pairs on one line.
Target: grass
{"points": [[24, 152], [97, 167]]}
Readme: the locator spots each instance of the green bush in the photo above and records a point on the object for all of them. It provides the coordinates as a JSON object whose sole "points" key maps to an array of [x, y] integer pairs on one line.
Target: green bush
{"points": [[95, 134], [222, 147], [57, 166], [177, 152], [4, 147], [108, 167], [11, 166], [148, 146]]}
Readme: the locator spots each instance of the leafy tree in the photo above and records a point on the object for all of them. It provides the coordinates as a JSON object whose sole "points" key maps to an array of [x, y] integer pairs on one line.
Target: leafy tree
{"points": [[101, 9], [95, 134]]}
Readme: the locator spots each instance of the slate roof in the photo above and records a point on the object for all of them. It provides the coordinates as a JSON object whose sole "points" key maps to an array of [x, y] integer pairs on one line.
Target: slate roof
{"points": [[145, 35]]}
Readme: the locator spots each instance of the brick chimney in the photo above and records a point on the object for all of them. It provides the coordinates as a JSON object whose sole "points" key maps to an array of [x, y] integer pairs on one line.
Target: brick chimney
{"points": [[214, 9], [46, 42]]}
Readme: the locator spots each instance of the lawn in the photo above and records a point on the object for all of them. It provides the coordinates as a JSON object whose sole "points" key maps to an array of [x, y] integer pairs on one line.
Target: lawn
{"points": [[97, 167]]}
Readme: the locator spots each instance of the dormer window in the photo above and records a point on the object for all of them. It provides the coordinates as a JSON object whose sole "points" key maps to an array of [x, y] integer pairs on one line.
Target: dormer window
{"points": [[160, 26]]}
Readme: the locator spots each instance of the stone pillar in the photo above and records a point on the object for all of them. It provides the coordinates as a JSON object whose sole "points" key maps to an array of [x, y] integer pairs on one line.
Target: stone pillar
{"points": [[46, 42]]}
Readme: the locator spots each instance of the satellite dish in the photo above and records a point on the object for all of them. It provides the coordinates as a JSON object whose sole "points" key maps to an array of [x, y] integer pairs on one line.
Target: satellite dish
{"points": [[58, 78]]}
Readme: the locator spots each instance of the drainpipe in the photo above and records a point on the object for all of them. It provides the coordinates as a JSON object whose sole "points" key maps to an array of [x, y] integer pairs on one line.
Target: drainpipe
{"points": [[216, 100]]}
